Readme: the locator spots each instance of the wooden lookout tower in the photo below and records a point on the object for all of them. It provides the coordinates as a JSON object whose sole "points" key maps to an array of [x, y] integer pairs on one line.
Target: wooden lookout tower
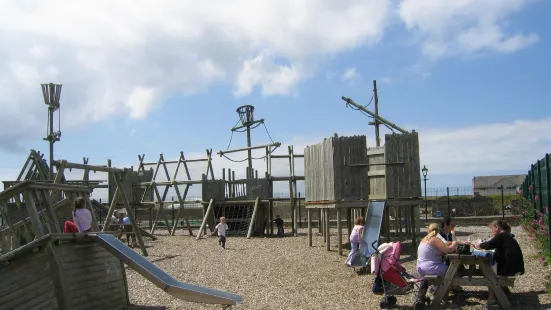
{"points": [[343, 175]]}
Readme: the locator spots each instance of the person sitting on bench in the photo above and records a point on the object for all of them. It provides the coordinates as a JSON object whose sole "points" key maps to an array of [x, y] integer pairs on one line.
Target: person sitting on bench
{"points": [[509, 258], [447, 235], [429, 256]]}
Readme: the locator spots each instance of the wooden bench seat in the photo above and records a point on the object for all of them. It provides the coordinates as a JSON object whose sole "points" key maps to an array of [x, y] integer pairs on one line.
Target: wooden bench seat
{"points": [[465, 281]]}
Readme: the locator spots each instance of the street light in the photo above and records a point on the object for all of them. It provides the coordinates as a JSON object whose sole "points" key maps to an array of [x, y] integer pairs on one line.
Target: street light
{"points": [[425, 171], [52, 94], [502, 202]]}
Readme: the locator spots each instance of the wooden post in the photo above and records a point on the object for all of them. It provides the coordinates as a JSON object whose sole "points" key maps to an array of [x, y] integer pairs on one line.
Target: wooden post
{"points": [[327, 230], [112, 207], [130, 214], [255, 210], [376, 103], [205, 219], [349, 220], [33, 214], [309, 227], [271, 210], [323, 225], [339, 230], [320, 217]]}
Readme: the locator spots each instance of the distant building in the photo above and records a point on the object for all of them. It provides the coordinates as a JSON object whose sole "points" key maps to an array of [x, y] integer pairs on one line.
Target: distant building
{"points": [[489, 185]]}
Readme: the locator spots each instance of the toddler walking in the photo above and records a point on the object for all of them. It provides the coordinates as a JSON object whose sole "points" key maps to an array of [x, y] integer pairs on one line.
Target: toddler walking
{"points": [[355, 239], [222, 229]]}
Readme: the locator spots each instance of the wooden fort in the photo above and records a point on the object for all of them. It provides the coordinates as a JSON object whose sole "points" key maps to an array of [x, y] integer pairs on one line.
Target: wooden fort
{"points": [[342, 175]]}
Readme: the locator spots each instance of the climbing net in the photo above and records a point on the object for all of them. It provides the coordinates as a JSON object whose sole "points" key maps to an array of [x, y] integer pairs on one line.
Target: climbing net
{"points": [[238, 217]]}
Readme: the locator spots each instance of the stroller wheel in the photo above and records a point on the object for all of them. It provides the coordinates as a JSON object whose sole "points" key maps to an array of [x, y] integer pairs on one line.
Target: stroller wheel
{"points": [[384, 304], [392, 300], [418, 305]]}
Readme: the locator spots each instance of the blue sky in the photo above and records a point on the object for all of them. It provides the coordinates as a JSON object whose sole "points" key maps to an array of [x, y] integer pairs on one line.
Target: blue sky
{"points": [[480, 107]]}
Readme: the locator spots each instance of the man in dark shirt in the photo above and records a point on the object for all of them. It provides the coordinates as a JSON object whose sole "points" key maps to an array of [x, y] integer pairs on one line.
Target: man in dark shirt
{"points": [[279, 223]]}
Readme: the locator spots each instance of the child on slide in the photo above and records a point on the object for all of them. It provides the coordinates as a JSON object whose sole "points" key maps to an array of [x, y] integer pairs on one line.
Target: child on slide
{"points": [[355, 239]]}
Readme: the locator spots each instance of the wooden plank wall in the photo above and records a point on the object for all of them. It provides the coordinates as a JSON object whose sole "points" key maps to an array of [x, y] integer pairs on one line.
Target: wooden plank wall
{"points": [[137, 195], [213, 189], [26, 283], [376, 173], [403, 172], [318, 171], [92, 277], [258, 188], [129, 179], [350, 180]]}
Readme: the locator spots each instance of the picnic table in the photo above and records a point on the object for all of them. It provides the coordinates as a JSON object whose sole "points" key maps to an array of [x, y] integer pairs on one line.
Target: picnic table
{"points": [[472, 276]]}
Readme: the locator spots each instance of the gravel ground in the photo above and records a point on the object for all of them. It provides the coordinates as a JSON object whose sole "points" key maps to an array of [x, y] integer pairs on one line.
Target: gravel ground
{"points": [[284, 273]]}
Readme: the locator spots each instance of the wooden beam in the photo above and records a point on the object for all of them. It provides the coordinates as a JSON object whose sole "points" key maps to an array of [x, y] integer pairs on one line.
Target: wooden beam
{"points": [[251, 225], [131, 215], [309, 211], [205, 219]]}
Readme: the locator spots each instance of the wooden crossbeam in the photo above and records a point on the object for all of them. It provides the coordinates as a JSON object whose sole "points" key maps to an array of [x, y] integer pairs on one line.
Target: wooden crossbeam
{"points": [[171, 181]]}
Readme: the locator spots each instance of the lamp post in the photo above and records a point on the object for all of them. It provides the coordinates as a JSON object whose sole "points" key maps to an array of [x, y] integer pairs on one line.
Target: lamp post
{"points": [[425, 171], [52, 94], [502, 202]]}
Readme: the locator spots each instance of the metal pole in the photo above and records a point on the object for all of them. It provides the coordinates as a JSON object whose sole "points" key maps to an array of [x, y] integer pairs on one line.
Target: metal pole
{"points": [[249, 152], [51, 140], [426, 205], [502, 202], [449, 208]]}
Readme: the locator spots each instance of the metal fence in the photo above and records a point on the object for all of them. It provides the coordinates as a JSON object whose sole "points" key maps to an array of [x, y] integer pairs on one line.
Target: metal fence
{"points": [[465, 191], [536, 189]]}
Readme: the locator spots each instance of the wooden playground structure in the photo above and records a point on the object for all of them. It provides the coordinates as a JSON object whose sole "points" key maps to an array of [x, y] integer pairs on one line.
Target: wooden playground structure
{"points": [[342, 173]]}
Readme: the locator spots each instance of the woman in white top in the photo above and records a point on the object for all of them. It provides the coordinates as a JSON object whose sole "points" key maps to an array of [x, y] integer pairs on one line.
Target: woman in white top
{"points": [[82, 216]]}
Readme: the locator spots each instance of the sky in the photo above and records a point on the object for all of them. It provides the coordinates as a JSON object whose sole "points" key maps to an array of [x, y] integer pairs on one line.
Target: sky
{"points": [[470, 76]]}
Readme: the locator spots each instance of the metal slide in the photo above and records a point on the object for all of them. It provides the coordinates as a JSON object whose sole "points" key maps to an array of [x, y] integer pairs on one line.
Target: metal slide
{"points": [[372, 228], [161, 279]]}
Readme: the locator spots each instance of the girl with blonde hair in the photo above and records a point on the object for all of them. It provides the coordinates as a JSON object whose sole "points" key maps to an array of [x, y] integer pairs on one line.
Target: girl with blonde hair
{"points": [[430, 252]]}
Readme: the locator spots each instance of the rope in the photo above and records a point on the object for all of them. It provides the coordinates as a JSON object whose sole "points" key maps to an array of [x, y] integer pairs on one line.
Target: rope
{"points": [[231, 137], [244, 130], [361, 111], [268, 133], [256, 158]]}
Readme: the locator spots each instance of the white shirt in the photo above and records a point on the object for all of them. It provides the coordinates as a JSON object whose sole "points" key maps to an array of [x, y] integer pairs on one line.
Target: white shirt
{"points": [[126, 221], [221, 228], [83, 219], [114, 220]]}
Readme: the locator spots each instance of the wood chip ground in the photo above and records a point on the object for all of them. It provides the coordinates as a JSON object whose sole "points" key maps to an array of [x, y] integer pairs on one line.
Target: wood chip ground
{"points": [[284, 273]]}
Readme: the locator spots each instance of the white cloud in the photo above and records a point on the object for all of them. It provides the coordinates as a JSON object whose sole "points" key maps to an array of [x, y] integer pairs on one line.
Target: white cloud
{"points": [[275, 79], [127, 57], [349, 75], [489, 148], [466, 26]]}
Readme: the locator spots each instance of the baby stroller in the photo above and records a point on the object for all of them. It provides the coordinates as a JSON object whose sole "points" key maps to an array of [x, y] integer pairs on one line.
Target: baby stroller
{"points": [[391, 278]]}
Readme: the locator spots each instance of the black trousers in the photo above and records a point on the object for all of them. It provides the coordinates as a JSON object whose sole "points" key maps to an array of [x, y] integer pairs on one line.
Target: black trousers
{"points": [[222, 241]]}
